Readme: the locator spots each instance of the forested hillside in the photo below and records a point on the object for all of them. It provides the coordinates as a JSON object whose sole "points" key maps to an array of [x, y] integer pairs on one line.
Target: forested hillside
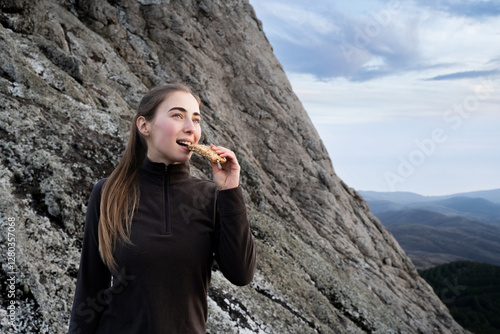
{"points": [[471, 291]]}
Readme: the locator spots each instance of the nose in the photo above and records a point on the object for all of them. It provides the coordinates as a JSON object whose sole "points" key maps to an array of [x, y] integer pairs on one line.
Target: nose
{"points": [[189, 126]]}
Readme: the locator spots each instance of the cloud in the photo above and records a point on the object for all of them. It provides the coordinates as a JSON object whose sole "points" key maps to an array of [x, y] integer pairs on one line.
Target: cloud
{"points": [[464, 75], [477, 9], [494, 61], [321, 40], [387, 38]]}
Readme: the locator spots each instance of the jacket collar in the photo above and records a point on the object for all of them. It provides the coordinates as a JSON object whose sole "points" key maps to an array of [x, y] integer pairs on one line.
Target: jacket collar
{"points": [[176, 172]]}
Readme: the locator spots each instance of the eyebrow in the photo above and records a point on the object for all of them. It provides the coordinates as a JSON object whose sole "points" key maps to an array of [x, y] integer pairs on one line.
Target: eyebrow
{"points": [[181, 109]]}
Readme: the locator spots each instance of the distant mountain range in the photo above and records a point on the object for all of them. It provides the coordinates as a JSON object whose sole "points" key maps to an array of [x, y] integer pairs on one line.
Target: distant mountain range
{"points": [[439, 229], [409, 197]]}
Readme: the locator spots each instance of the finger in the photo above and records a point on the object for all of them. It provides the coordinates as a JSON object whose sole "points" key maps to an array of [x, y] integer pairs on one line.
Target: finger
{"points": [[223, 152]]}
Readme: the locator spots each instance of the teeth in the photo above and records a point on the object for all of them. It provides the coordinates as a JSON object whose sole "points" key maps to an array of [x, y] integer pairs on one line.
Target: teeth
{"points": [[183, 142]]}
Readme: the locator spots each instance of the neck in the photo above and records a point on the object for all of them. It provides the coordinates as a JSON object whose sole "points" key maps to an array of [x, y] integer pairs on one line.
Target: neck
{"points": [[160, 160]]}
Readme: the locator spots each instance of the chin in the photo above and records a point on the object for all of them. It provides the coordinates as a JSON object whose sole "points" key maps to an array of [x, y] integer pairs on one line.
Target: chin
{"points": [[185, 158]]}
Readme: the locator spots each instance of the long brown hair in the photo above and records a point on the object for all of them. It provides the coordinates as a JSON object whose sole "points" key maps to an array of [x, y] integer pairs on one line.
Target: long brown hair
{"points": [[120, 194]]}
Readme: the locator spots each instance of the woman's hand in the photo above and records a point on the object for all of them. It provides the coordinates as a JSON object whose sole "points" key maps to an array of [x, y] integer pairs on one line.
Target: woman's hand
{"points": [[229, 176]]}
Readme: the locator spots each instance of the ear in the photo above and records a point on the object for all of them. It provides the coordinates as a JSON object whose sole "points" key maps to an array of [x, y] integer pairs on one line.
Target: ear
{"points": [[142, 125]]}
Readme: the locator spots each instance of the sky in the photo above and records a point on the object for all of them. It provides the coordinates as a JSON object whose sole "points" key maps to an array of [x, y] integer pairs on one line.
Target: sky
{"points": [[405, 95]]}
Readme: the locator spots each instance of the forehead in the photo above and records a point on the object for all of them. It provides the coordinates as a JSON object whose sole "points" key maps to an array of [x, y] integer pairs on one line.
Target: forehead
{"points": [[180, 99]]}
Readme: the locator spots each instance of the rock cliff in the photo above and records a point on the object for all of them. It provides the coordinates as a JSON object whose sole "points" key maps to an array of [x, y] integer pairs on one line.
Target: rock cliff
{"points": [[71, 75]]}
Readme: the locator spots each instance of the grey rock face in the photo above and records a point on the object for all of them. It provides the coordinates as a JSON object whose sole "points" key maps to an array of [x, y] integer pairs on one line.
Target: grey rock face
{"points": [[71, 75]]}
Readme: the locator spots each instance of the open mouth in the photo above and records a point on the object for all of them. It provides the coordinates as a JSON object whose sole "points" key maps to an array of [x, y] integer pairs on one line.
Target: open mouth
{"points": [[183, 143]]}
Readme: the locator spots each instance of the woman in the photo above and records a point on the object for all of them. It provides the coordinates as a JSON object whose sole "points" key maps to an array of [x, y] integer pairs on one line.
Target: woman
{"points": [[152, 231]]}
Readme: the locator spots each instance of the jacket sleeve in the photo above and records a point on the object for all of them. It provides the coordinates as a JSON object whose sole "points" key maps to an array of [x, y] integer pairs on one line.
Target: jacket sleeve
{"points": [[94, 278], [234, 253]]}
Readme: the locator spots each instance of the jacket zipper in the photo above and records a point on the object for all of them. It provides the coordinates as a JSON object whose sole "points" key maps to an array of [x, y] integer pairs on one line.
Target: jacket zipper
{"points": [[166, 209]]}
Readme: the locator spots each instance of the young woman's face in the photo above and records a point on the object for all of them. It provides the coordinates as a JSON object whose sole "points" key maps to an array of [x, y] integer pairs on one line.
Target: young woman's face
{"points": [[176, 121]]}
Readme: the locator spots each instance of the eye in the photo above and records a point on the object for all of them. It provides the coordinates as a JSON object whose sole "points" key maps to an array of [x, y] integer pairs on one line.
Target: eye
{"points": [[177, 115], [197, 120]]}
